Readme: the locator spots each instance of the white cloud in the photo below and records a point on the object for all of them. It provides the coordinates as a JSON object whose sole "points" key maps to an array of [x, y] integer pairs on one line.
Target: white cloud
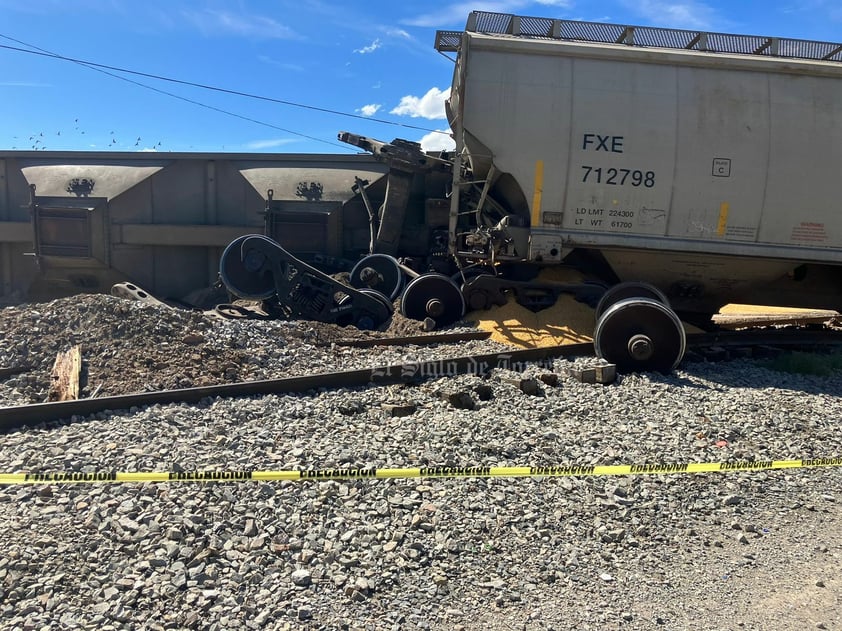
{"points": [[692, 14], [370, 48], [369, 110], [269, 143], [398, 32], [435, 141], [211, 22], [431, 105]]}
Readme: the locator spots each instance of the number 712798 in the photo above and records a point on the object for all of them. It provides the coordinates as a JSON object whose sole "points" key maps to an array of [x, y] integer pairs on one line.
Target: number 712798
{"points": [[618, 177]]}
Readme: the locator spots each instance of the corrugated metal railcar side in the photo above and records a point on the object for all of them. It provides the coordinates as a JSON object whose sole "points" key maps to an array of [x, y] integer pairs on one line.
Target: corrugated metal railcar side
{"points": [[162, 220]]}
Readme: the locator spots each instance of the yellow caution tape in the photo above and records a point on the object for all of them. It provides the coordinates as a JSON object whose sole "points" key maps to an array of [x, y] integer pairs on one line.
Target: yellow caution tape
{"points": [[96, 477]]}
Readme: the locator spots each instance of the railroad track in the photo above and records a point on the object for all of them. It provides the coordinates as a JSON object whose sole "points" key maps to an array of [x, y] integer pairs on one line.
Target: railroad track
{"points": [[718, 346]]}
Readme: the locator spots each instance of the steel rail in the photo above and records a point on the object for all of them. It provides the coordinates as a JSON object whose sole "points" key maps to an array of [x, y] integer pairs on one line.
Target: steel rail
{"points": [[37, 413], [418, 340], [13, 370]]}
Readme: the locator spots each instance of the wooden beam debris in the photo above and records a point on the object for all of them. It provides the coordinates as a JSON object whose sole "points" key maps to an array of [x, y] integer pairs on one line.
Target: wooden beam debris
{"points": [[66, 375]]}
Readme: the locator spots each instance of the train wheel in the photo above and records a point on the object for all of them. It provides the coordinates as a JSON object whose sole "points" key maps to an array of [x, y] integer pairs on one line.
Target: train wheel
{"points": [[476, 299], [245, 273], [380, 272], [370, 320], [433, 296], [640, 334], [631, 289]]}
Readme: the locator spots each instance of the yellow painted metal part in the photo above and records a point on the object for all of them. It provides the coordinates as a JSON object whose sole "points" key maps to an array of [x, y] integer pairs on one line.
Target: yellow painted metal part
{"points": [[538, 192], [723, 219]]}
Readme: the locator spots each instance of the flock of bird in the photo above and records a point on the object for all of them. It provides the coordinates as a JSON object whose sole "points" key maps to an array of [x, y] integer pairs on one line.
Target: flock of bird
{"points": [[37, 140]]}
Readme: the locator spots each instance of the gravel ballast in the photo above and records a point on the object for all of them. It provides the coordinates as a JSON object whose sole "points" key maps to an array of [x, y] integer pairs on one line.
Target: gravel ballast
{"points": [[750, 550]]}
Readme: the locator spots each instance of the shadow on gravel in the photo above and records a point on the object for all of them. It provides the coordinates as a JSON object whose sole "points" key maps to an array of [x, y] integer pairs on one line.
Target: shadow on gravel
{"points": [[810, 373]]}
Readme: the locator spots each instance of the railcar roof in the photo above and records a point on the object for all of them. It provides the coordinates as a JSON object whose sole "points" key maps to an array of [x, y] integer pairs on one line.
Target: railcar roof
{"points": [[506, 24]]}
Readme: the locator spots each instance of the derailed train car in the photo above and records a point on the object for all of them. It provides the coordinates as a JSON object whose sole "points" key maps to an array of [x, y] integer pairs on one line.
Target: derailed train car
{"points": [[705, 164], [682, 170], [73, 222]]}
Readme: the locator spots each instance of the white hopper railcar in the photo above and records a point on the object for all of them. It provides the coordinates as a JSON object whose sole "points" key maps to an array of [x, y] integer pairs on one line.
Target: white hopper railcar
{"points": [[704, 164]]}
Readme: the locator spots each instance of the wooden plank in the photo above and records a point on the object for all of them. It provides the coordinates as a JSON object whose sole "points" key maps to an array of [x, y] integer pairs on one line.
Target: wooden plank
{"points": [[66, 374], [742, 320]]}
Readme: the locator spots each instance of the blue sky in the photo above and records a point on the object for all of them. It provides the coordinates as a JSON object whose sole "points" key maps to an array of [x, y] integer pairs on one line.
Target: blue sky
{"points": [[369, 59]]}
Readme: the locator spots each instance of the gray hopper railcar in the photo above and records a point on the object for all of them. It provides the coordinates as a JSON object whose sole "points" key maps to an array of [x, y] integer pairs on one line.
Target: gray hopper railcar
{"points": [[679, 170]]}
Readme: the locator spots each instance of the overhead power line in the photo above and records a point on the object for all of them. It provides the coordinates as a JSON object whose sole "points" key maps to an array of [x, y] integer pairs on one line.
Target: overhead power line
{"points": [[94, 65], [179, 97]]}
